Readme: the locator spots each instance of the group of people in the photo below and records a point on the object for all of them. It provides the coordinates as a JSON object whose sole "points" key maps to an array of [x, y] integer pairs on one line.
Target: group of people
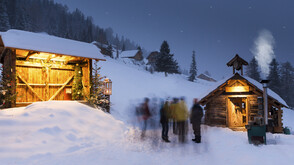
{"points": [[174, 112]]}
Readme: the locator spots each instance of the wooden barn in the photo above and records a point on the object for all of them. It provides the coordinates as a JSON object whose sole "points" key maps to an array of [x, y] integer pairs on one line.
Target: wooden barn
{"points": [[237, 101], [42, 67]]}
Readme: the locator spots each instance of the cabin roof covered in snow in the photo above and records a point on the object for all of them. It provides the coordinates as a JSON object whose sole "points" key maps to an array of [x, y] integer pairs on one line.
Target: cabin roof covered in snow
{"points": [[251, 81], [43, 42], [128, 53]]}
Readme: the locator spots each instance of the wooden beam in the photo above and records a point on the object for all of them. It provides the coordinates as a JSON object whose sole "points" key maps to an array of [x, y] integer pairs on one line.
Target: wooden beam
{"points": [[43, 85], [30, 53], [39, 65], [49, 58], [3, 53], [53, 85], [59, 90], [29, 87]]}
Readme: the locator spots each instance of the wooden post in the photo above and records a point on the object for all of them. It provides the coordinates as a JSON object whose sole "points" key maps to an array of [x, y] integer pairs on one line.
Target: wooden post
{"points": [[90, 74], [47, 83], [13, 75], [279, 117], [9, 73]]}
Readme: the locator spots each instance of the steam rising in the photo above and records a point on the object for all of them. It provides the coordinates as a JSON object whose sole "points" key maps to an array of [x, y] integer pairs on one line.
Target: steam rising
{"points": [[264, 51]]}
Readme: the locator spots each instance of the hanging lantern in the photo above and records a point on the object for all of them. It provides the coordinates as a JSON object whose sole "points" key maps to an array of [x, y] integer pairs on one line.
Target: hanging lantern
{"points": [[107, 87]]}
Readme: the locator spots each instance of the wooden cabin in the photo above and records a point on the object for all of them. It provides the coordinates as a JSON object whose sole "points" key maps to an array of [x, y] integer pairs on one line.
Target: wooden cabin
{"points": [[42, 67], [132, 54], [237, 101]]}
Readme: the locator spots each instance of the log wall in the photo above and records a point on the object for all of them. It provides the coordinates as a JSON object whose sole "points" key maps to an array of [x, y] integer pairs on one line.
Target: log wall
{"points": [[216, 111]]}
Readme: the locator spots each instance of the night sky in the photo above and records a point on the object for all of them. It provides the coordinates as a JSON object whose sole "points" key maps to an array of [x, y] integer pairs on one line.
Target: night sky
{"points": [[215, 29]]}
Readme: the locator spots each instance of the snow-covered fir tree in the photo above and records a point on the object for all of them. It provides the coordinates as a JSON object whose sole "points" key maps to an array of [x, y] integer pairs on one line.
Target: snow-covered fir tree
{"points": [[165, 61], [253, 70], [97, 98], [274, 77], [193, 68]]}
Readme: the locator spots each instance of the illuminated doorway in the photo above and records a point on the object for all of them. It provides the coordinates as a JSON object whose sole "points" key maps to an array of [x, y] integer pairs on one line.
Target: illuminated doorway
{"points": [[237, 111]]}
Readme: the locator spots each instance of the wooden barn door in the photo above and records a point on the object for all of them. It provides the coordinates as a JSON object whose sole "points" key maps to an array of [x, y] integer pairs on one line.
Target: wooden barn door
{"points": [[237, 111], [35, 83]]}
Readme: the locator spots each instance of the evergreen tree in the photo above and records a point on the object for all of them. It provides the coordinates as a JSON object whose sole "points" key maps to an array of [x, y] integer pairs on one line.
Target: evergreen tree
{"points": [[274, 77], [11, 11], [165, 62], [116, 42], [287, 87], [109, 50], [96, 97], [4, 19], [252, 70], [139, 48], [77, 87], [123, 47], [193, 68], [22, 20]]}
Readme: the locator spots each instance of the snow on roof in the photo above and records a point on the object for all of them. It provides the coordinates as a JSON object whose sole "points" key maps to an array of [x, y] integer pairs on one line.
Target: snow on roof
{"points": [[50, 44], [250, 80], [128, 53]]}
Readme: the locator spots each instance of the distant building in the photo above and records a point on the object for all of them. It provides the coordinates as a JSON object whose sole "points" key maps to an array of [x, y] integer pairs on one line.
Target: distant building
{"points": [[132, 54], [152, 57], [206, 77]]}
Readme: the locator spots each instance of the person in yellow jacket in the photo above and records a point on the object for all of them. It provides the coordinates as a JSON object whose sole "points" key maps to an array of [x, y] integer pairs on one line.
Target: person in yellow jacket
{"points": [[172, 114], [181, 116]]}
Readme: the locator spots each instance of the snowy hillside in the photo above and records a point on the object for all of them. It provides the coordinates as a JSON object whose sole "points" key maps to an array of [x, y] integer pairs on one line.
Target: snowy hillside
{"points": [[67, 132]]}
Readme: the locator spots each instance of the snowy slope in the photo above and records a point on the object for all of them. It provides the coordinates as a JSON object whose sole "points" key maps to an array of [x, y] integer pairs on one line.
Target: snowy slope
{"points": [[67, 132]]}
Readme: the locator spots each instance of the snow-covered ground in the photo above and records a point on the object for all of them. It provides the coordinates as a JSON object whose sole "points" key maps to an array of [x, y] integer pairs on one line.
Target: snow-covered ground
{"points": [[68, 132]]}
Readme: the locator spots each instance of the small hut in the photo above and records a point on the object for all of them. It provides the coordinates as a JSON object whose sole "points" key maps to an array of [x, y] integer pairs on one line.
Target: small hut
{"points": [[42, 67], [237, 100], [132, 54]]}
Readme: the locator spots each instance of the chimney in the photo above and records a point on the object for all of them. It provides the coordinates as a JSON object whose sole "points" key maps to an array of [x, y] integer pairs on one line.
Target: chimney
{"points": [[265, 101]]}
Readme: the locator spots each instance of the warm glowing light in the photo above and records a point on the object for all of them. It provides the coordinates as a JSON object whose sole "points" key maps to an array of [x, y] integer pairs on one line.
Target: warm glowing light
{"points": [[107, 87], [237, 89]]}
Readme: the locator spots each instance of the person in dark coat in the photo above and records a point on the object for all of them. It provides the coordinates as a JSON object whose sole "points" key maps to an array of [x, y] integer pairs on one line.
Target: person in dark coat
{"points": [[195, 119], [145, 115], [164, 120]]}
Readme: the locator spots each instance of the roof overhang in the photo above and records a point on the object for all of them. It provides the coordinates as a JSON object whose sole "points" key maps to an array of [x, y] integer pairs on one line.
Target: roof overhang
{"points": [[36, 42]]}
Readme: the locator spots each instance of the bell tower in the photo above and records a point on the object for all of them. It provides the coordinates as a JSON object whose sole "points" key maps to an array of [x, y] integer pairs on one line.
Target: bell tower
{"points": [[237, 64]]}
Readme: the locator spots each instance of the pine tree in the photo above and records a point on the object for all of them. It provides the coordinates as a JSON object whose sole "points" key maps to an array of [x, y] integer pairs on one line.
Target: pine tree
{"points": [[274, 76], [193, 68], [4, 19], [22, 20], [165, 62], [97, 98], [252, 70], [287, 87], [109, 50], [123, 47]]}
